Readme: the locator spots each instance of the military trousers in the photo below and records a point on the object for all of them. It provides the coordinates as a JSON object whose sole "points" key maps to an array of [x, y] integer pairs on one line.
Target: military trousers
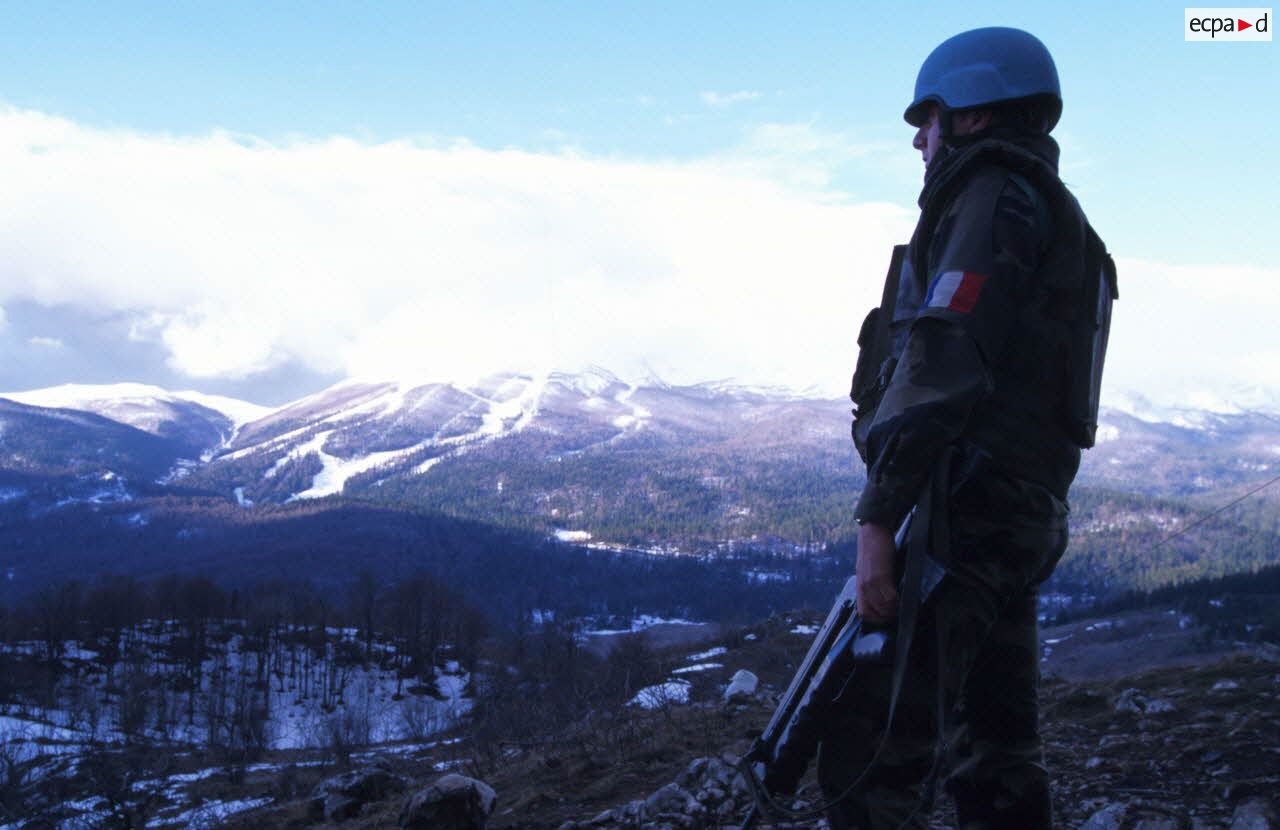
{"points": [[973, 664]]}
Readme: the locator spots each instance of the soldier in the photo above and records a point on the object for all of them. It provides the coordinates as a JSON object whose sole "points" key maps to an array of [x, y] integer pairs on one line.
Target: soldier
{"points": [[985, 370]]}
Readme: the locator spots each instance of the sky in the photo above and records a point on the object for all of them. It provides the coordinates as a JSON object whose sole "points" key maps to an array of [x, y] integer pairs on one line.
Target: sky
{"points": [[260, 200]]}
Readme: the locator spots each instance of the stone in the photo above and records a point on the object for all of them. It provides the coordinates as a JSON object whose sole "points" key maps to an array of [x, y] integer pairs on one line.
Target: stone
{"points": [[1157, 823], [1135, 702], [1254, 814], [453, 802], [1110, 817], [1224, 686], [671, 800], [343, 796], [714, 795], [693, 773], [742, 687]]}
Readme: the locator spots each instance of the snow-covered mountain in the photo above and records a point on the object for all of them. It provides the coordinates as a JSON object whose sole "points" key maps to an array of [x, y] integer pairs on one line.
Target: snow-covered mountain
{"points": [[399, 440], [585, 454], [199, 421]]}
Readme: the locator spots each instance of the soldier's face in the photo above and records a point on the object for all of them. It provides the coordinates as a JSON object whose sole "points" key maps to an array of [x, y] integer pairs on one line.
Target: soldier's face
{"points": [[929, 134], [928, 137]]}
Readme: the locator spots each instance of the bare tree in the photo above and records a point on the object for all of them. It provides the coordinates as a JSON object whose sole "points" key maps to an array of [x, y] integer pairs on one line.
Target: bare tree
{"points": [[12, 774], [364, 605]]}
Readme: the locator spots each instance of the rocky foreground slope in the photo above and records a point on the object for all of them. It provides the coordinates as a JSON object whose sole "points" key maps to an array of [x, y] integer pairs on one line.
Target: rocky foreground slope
{"points": [[1192, 744], [1172, 749], [1150, 724]]}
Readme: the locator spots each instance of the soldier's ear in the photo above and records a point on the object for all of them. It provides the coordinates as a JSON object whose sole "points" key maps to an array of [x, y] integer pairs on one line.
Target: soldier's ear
{"points": [[968, 122]]}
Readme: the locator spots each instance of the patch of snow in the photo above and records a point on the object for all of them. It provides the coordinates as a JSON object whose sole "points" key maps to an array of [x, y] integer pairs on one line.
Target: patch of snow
{"points": [[640, 623], [8, 494], [80, 395], [573, 535], [427, 465], [209, 814], [806, 630], [711, 652], [333, 477], [16, 728], [520, 410], [26, 740], [99, 398], [697, 667], [638, 415], [314, 445], [442, 766], [661, 695], [182, 468], [240, 498], [240, 412], [274, 443], [171, 782]]}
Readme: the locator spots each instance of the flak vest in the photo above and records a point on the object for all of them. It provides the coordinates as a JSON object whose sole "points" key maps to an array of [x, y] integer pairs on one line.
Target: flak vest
{"points": [[1043, 407]]}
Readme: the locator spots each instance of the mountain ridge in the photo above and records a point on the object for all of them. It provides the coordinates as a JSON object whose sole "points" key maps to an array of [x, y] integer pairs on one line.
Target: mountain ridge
{"points": [[589, 457]]}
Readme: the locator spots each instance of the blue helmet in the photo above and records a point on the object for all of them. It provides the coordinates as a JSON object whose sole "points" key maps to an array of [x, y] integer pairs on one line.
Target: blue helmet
{"points": [[986, 66]]}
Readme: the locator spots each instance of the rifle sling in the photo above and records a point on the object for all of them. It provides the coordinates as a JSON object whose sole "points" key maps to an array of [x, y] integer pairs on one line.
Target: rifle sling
{"points": [[931, 511]]}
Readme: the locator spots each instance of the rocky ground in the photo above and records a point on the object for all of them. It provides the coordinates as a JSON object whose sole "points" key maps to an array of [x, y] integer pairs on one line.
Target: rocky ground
{"points": [[1170, 749], [1189, 739], [1150, 724]]}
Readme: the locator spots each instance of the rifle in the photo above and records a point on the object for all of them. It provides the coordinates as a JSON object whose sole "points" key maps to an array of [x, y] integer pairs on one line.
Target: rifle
{"points": [[779, 758]]}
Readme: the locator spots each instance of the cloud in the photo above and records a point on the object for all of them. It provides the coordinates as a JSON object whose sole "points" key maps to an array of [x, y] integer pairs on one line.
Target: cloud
{"points": [[240, 258], [808, 157], [46, 342], [1193, 332], [721, 100], [237, 256]]}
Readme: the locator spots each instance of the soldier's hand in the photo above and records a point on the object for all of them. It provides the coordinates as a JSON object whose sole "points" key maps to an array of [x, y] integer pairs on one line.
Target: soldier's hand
{"points": [[877, 591]]}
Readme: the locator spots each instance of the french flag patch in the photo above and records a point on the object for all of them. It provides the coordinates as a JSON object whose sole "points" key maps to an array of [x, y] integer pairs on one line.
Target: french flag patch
{"points": [[955, 291]]}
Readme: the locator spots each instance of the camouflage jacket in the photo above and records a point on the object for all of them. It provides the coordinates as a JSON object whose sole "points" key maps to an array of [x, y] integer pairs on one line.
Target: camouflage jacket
{"points": [[980, 355]]}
